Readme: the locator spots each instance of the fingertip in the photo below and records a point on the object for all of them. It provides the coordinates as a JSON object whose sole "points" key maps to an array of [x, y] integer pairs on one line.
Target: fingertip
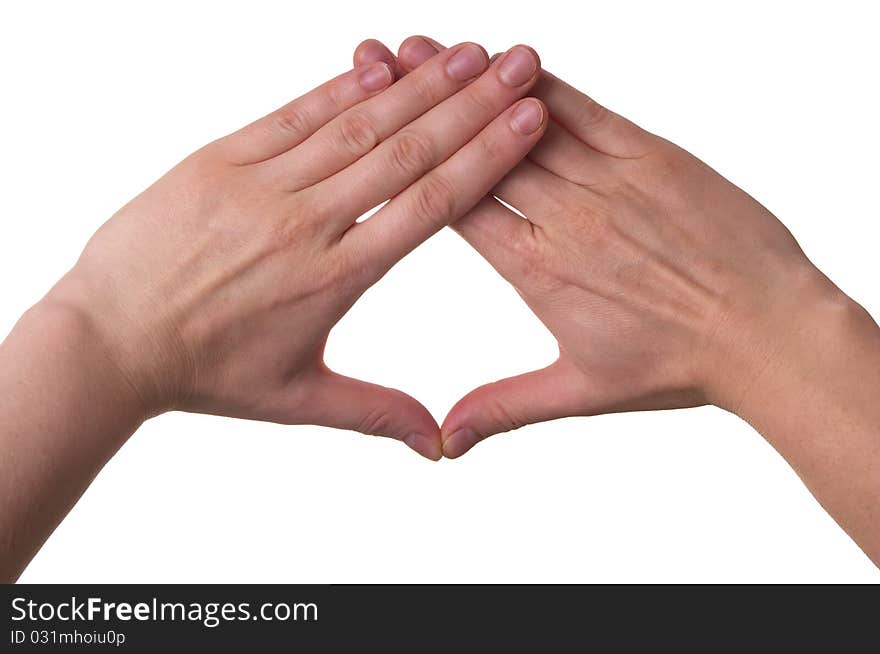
{"points": [[416, 50], [485, 52], [519, 66], [372, 51], [459, 442], [456, 436], [375, 77], [428, 446], [437, 45], [528, 116], [530, 49], [468, 61], [423, 433]]}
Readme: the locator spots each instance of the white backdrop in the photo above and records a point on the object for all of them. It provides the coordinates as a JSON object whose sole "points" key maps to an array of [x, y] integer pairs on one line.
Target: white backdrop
{"points": [[100, 98]]}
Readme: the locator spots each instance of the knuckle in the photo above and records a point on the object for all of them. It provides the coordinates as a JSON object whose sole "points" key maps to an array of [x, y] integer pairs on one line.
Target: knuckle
{"points": [[590, 114], [338, 277], [337, 94], [283, 237], [330, 281], [595, 227], [357, 132], [308, 214], [207, 178], [480, 104], [491, 148], [426, 90], [350, 274], [668, 171], [358, 269], [214, 149], [527, 252], [412, 153], [312, 207], [378, 421], [502, 417], [300, 230], [293, 119], [534, 267], [629, 271], [435, 200]]}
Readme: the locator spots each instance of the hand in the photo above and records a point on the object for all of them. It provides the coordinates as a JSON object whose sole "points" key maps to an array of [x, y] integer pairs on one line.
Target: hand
{"points": [[665, 285], [214, 290]]}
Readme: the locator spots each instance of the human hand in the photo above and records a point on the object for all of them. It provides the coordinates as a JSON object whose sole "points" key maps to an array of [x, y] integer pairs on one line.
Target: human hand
{"points": [[214, 290], [665, 285]]}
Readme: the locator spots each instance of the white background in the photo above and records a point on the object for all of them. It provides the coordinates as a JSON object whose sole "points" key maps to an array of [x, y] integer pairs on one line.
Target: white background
{"points": [[100, 98]]}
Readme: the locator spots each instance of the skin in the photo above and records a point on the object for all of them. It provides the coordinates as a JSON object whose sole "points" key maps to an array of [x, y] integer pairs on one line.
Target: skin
{"points": [[214, 290], [666, 287]]}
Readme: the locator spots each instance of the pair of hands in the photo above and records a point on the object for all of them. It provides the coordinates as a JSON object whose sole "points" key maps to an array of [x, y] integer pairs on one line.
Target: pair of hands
{"points": [[214, 290]]}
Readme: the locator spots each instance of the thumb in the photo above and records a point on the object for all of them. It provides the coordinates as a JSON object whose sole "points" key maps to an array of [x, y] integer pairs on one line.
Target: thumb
{"points": [[546, 394], [346, 403]]}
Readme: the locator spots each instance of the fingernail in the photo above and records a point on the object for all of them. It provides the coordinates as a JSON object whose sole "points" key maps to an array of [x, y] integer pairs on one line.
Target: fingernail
{"points": [[527, 117], [518, 66], [370, 51], [467, 63], [417, 51], [460, 442], [375, 77], [425, 445]]}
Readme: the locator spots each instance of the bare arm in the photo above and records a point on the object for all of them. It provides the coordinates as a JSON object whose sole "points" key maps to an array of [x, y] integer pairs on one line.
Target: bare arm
{"points": [[66, 409], [214, 290], [667, 286], [817, 401]]}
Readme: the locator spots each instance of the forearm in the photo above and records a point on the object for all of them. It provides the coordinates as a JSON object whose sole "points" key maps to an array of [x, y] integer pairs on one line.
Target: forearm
{"points": [[817, 402], [66, 410]]}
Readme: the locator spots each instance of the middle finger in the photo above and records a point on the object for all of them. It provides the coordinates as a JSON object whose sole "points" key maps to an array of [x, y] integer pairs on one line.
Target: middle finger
{"points": [[431, 139], [355, 132]]}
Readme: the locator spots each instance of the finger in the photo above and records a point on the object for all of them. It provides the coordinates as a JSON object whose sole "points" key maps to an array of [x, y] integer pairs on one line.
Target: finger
{"points": [[565, 155], [546, 394], [589, 121], [356, 132], [415, 51], [372, 51], [503, 238], [293, 123], [529, 188], [559, 151], [450, 190], [345, 403], [535, 192], [430, 140]]}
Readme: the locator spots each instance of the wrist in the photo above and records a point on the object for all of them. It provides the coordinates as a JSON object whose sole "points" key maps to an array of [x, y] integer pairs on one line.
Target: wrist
{"points": [[132, 352], [67, 409], [785, 343], [64, 337], [813, 396]]}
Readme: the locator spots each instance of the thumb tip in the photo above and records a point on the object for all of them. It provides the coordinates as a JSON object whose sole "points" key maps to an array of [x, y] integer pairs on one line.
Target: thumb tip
{"points": [[429, 447], [459, 442]]}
